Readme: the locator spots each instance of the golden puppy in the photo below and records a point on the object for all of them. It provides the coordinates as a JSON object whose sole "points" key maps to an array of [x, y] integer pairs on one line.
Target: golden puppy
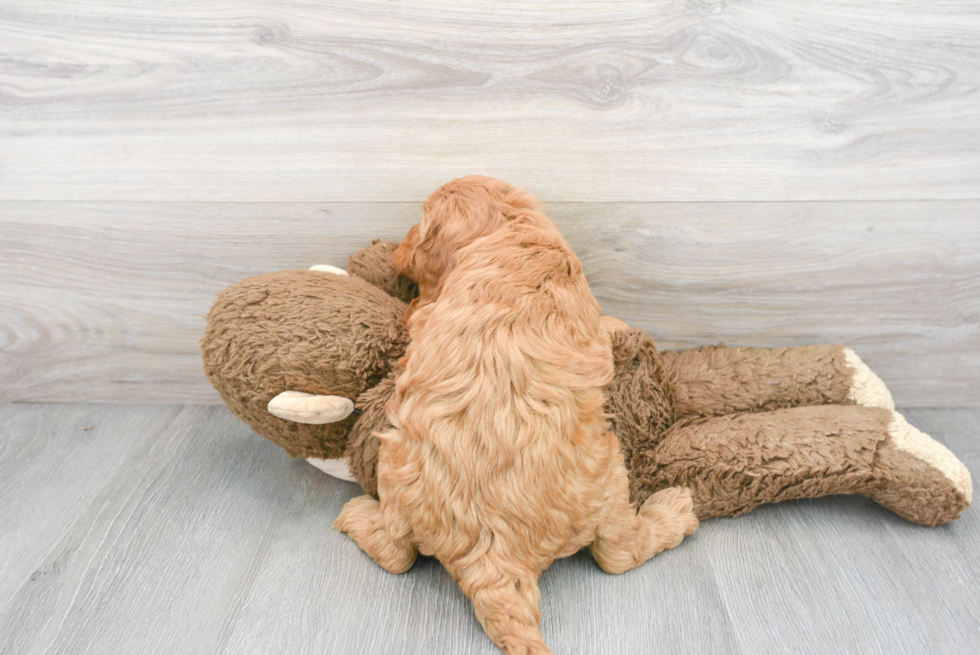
{"points": [[501, 460]]}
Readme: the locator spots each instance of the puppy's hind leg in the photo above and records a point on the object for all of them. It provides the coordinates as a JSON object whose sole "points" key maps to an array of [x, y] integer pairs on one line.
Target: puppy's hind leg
{"points": [[362, 521], [627, 539], [506, 607]]}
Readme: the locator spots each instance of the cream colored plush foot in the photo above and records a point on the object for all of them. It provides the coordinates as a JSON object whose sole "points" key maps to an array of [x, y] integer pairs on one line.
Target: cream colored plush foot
{"points": [[923, 447], [867, 388], [336, 467], [326, 268], [310, 408]]}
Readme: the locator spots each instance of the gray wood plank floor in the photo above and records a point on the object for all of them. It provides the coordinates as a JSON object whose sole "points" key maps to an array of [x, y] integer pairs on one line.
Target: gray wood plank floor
{"points": [[174, 529]]}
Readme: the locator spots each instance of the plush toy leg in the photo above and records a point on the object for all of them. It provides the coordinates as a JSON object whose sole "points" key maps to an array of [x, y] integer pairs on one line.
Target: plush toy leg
{"points": [[715, 381], [362, 521], [735, 463]]}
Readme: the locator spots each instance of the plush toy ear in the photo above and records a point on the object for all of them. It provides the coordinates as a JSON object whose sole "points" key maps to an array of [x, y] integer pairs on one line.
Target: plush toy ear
{"points": [[326, 268], [312, 409]]}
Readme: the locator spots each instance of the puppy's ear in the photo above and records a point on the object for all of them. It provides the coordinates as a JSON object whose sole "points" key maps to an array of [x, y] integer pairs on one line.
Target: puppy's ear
{"points": [[435, 251], [455, 215], [424, 257], [519, 200], [404, 255], [412, 306]]}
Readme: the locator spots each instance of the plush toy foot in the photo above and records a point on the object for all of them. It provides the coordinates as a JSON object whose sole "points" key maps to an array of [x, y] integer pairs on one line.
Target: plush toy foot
{"points": [[310, 408], [866, 388], [920, 479], [337, 468]]}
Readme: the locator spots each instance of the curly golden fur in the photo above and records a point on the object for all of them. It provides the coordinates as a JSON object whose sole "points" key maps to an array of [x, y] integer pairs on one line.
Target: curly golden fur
{"points": [[501, 459]]}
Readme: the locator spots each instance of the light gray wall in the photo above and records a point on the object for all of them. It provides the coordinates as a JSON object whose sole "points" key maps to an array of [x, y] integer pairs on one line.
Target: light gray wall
{"points": [[759, 173]]}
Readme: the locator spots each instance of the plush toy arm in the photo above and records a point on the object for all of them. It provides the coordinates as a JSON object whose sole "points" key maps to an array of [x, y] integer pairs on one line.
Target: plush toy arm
{"points": [[733, 464], [715, 381], [362, 444], [374, 264]]}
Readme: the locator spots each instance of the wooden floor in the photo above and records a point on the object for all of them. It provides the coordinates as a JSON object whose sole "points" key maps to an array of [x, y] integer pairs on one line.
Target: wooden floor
{"points": [[174, 529]]}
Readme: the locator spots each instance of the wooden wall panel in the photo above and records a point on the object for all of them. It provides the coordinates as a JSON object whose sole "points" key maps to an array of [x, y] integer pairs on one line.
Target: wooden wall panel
{"points": [[105, 301], [373, 100]]}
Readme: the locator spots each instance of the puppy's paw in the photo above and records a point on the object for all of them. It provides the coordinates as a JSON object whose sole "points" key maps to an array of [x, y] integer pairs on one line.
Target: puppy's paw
{"points": [[674, 499], [358, 516], [612, 324], [672, 509], [361, 520]]}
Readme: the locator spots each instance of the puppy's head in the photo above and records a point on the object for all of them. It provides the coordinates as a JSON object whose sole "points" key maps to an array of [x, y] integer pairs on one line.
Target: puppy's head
{"points": [[454, 216]]}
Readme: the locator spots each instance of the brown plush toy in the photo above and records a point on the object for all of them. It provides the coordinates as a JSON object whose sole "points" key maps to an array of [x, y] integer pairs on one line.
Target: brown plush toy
{"points": [[307, 358]]}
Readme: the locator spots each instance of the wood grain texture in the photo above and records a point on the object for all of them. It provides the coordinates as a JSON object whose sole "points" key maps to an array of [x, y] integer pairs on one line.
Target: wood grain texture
{"points": [[105, 301], [424, 611], [846, 572], [175, 529], [372, 100], [157, 560], [53, 465]]}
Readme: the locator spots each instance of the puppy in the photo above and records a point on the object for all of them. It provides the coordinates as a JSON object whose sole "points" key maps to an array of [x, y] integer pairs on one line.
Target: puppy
{"points": [[501, 460]]}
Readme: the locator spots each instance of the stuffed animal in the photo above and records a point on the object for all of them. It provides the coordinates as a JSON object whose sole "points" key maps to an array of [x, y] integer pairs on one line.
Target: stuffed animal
{"points": [[308, 359]]}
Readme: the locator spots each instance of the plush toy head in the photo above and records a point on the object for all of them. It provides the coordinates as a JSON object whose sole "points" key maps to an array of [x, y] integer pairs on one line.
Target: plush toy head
{"points": [[314, 332]]}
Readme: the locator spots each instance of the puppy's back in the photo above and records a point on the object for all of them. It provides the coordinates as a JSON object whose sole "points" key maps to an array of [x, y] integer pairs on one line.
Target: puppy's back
{"points": [[502, 440]]}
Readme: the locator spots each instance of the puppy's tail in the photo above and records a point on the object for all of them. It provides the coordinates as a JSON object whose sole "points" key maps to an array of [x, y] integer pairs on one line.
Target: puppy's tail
{"points": [[507, 608]]}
